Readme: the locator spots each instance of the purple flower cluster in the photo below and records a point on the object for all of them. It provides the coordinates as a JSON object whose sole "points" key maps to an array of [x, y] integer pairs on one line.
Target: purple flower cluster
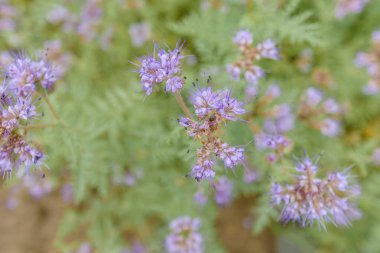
{"points": [[90, 20], [35, 184], [311, 199], [139, 33], [252, 73], [184, 236], [212, 109], [320, 113], [85, 248], [371, 62], [61, 16], [376, 157], [345, 7], [163, 67], [223, 191], [23, 77], [200, 198], [277, 120], [8, 14]]}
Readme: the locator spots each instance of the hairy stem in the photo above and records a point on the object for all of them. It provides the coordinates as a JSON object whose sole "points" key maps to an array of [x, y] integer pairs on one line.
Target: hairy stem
{"points": [[182, 104]]}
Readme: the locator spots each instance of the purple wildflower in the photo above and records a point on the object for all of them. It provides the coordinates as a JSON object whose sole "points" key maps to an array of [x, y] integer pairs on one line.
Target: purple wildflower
{"points": [[250, 176], [166, 66], [230, 155], [223, 191], [331, 106], [200, 198], [376, 36], [184, 236], [67, 192], [139, 33], [249, 54], [90, 20], [251, 92], [268, 49], [85, 248], [234, 71], [313, 96], [330, 127], [23, 76], [253, 75], [37, 186], [273, 91], [312, 199], [376, 157], [243, 38], [281, 121], [8, 15], [345, 7], [229, 107]]}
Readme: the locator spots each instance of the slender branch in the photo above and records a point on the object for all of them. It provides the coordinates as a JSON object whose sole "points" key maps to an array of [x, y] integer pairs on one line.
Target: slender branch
{"points": [[51, 107], [39, 126], [182, 104]]}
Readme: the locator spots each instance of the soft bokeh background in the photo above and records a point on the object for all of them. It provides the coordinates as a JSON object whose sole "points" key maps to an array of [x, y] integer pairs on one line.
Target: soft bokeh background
{"points": [[116, 171]]}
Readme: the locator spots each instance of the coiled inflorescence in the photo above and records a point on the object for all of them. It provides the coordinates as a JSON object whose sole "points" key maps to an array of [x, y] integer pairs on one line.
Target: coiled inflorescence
{"points": [[212, 109], [163, 67], [310, 199], [184, 236], [249, 54], [23, 79]]}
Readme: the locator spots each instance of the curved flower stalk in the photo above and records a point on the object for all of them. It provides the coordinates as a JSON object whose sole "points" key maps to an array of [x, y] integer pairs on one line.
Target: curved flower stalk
{"points": [[311, 199], [213, 109], [249, 55], [24, 80], [371, 62], [320, 113], [184, 236]]}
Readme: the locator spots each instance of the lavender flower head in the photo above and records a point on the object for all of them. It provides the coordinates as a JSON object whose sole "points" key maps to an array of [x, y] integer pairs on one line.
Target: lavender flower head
{"points": [[8, 15], [139, 33], [212, 109], [223, 191], [245, 65], [268, 49], [311, 199], [345, 7], [184, 236], [163, 67], [243, 38], [376, 157], [85, 248], [24, 76], [200, 198]]}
